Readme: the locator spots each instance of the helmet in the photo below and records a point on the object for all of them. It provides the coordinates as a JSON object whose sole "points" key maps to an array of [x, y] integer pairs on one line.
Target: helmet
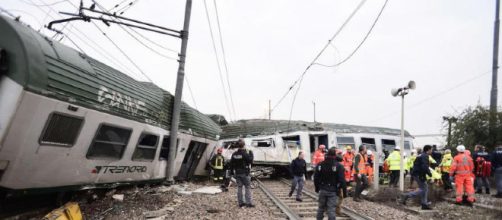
{"points": [[397, 148], [369, 152], [322, 146], [219, 150], [447, 151], [460, 148], [348, 147]]}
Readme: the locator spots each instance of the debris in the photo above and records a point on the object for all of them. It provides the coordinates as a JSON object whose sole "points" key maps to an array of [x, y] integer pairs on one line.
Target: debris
{"points": [[118, 197], [214, 210], [158, 213], [70, 211], [208, 190], [185, 193]]}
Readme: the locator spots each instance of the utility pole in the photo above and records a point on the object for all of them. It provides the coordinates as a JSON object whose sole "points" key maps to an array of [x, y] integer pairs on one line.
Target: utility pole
{"points": [[177, 95], [494, 91], [450, 121], [314, 111], [269, 109]]}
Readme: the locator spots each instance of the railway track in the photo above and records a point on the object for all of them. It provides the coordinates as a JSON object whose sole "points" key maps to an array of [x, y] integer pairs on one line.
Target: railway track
{"points": [[277, 191]]}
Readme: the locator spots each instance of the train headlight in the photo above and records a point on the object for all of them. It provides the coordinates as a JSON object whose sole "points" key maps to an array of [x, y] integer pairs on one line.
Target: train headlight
{"points": [[3, 61]]}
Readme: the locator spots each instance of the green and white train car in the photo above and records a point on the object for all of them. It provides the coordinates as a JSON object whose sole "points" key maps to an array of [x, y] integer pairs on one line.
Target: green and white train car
{"points": [[68, 121]]}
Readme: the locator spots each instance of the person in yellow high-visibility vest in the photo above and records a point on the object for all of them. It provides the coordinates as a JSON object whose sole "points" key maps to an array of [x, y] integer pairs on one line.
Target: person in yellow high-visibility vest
{"points": [[445, 170], [217, 164], [394, 161]]}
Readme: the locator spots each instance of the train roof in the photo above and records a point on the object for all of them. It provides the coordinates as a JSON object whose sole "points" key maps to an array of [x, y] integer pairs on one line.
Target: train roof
{"points": [[49, 68], [255, 127]]}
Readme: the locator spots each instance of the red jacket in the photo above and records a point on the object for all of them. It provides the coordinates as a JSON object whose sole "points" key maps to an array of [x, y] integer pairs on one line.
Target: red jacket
{"points": [[462, 165], [318, 157]]}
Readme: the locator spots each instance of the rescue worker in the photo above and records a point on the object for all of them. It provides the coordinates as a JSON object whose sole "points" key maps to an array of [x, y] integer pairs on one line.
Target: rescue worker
{"points": [[462, 168], [342, 190], [359, 171], [318, 155], [394, 161], [217, 164], [483, 168], [348, 157], [240, 164], [496, 160], [420, 172], [328, 179], [445, 166], [410, 162], [298, 170], [369, 166]]}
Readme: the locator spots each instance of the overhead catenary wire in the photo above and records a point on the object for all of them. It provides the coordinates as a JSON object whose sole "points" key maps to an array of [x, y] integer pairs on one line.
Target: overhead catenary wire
{"points": [[224, 58], [44, 4], [217, 62], [362, 42], [361, 3], [435, 95]]}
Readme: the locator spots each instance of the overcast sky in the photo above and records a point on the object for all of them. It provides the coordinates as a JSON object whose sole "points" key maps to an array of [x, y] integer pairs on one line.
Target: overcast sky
{"points": [[445, 46]]}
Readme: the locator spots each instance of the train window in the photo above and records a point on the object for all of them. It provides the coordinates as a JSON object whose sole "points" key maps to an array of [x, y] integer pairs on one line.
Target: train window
{"points": [[147, 146], [346, 141], [388, 145], [407, 145], [110, 142], [370, 143], [292, 141], [263, 143], [164, 150], [61, 130]]}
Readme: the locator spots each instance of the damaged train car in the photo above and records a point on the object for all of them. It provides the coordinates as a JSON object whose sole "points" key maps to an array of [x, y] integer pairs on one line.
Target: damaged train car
{"points": [[276, 142], [69, 122]]}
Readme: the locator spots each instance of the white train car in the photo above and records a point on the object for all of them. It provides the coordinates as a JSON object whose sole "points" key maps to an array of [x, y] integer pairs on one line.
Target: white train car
{"points": [[69, 122], [277, 142]]}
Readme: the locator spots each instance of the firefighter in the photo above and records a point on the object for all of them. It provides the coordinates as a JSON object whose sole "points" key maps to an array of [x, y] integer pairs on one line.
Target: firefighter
{"points": [[328, 179], [394, 161], [445, 170], [483, 168], [462, 168], [359, 171], [240, 164], [348, 156], [318, 155], [217, 164]]}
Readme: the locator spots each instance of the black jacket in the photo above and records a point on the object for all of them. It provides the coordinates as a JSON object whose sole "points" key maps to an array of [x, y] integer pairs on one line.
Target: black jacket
{"points": [[298, 167], [329, 176], [241, 160], [421, 166], [496, 158]]}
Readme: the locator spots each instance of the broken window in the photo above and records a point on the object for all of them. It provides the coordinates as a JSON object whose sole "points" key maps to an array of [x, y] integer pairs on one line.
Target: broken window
{"points": [[263, 143], [61, 130], [109, 142], [292, 141], [164, 150], [147, 146]]}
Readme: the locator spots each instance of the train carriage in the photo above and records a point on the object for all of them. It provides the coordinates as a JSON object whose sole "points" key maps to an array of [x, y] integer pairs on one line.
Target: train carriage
{"points": [[68, 121], [276, 142]]}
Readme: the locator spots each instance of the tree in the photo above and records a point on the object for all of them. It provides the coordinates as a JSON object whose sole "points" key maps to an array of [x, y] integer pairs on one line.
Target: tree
{"points": [[472, 127]]}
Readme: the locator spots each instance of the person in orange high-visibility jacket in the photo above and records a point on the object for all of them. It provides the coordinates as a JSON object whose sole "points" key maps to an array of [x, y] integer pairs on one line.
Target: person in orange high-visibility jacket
{"points": [[348, 158], [462, 168], [369, 166], [318, 155]]}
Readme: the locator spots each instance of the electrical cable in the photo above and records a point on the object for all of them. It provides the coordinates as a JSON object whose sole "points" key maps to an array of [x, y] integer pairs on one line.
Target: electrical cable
{"points": [[322, 50], [218, 62], [361, 43], [224, 58], [44, 5]]}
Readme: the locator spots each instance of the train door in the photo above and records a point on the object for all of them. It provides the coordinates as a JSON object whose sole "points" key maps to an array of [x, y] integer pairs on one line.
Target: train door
{"points": [[316, 140], [191, 159]]}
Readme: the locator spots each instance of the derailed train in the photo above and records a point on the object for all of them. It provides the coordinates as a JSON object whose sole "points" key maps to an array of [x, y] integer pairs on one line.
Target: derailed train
{"points": [[69, 122], [277, 142]]}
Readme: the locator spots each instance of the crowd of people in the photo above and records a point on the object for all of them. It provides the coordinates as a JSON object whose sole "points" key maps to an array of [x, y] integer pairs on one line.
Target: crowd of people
{"points": [[334, 170]]}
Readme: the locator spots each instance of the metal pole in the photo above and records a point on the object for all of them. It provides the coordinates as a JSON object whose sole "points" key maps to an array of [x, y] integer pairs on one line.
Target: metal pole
{"points": [[449, 132], [314, 110], [493, 95], [401, 151], [269, 109], [376, 166], [177, 95]]}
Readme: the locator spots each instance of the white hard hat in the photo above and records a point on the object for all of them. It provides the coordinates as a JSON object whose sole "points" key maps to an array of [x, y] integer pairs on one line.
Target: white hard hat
{"points": [[460, 148], [369, 152], [397, 148]]}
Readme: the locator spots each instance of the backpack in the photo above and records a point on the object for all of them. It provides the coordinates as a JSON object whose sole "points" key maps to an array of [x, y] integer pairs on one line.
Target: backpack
{"points": [[483, 168]]}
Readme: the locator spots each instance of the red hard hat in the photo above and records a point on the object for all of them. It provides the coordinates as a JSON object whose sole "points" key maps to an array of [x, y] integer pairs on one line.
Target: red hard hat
{"points": [[220, 150]]}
